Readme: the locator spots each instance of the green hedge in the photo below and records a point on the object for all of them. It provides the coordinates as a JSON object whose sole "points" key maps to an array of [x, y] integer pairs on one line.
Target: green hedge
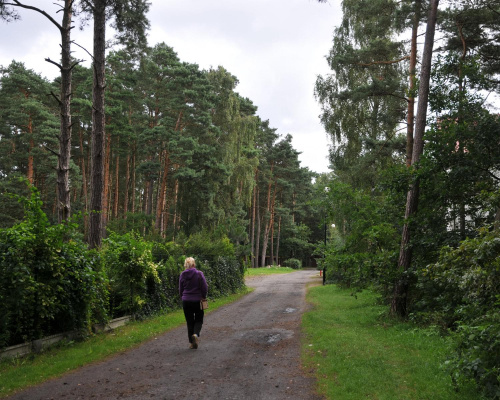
{"points": [[50, 283]]}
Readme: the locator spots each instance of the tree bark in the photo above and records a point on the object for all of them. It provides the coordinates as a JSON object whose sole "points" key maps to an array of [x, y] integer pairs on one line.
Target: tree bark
{"points": [[117, 187], [160, 205], [411, 97], [127, 188], [63, 191], [257, 237], [267, 225], [132, 205], [176, 217], [96, 226], [401, 287], [278, 236], [271, 222], [30, 175], [84, 180], [252, 229], [107, 181]]}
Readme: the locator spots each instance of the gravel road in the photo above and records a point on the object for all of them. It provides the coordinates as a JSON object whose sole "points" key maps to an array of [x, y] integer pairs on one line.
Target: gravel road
{"points": [[249, 349]]}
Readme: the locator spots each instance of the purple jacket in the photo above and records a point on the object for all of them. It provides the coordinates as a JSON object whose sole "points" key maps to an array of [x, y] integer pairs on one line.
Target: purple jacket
{"points": [[192, 285]]}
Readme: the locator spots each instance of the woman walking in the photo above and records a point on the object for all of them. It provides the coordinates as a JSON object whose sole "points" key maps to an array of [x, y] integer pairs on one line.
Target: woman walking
{"points": [[192, 288]]}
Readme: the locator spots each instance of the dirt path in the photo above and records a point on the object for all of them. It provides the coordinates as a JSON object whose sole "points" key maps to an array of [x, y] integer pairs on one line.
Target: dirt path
{"points": [[248, 350]]}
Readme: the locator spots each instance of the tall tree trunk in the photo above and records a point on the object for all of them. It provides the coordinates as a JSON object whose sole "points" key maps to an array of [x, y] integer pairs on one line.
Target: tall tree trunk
{"points": [[401, 287], [278, 242], [30, 175], [257, 237], [132, 205], [411, 97], [267, 226], [127, 188], [96, 226], [167, 215], [117, 187], [149, 199], [271, 223], [63, 191], [160, 205], [271, 247], [84, 180], [176, 196], [107, 181], [252, 229], [461, 149]]}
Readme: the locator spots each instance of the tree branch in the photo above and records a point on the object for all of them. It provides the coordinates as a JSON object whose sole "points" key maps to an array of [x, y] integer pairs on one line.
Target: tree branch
{"points": [[384, 62], [492, 9], [84, 49], [53, 62], [51, 151], [55, 97], [75, 64], [17, 3]]}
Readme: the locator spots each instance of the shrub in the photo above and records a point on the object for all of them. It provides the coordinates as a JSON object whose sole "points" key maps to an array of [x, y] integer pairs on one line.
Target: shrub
{"points": [[129, 264], [462, 293], [209, 247], [293, 263], [48, 284]]}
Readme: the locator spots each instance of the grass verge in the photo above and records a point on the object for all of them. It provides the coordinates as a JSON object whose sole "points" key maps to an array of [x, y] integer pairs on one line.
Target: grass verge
{"points": [[356, 352], [17, 374], [268, 271]]}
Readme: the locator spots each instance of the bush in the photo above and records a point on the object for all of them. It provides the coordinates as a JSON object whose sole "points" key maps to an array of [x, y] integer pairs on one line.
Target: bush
{"points": [[293, 263], [48, 284], [462, 293], [144, 276], [209, 247], [128, 260]]}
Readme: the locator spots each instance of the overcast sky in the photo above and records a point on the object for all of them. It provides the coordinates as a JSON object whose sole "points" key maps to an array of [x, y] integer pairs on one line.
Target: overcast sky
{"points": [[275, 48]]}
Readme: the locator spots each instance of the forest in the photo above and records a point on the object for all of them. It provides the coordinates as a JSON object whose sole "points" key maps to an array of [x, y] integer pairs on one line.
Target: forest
{"points": [[141, 159], [111, 174], [412, 107]]}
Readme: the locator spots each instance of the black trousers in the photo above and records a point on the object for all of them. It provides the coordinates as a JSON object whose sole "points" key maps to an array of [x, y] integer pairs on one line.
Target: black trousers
{"points": [[194, 317]]}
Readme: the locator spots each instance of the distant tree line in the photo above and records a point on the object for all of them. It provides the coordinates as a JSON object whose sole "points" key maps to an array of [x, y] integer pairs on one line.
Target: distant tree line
{"points": [[184, 153]]}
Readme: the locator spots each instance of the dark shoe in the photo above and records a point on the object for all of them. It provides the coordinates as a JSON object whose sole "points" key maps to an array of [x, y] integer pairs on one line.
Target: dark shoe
{"points": [[194, 342]]}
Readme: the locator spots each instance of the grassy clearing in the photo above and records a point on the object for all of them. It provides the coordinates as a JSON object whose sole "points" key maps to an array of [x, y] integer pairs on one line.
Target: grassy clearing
{"points": [[17, 374], [356, 352], [268, 271]]}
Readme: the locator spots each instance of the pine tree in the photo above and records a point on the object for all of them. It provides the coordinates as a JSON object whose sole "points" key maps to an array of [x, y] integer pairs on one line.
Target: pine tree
{"points": [[66, 66], [28, 129]]}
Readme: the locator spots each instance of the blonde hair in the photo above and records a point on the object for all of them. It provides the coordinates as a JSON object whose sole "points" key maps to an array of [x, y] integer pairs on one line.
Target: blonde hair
{"points": [[189, 263]]}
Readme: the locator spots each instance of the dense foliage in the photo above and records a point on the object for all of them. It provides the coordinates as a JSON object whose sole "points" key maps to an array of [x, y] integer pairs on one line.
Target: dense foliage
{"points": [[50, 284], [190, 169], [184, 154], [452, 279]]}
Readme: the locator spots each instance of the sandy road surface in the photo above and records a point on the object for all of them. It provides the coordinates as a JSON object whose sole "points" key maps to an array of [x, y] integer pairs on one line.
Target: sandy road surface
{"points": [[248, 350]]}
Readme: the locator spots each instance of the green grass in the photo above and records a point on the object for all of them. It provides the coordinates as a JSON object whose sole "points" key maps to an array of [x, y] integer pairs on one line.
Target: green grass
{"points": [[356, 352], [16, 374], [268, 271]]}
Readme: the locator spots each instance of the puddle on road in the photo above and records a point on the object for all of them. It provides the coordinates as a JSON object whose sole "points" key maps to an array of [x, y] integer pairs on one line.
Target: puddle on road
{"points": [[267, 336], [273, 338]]}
